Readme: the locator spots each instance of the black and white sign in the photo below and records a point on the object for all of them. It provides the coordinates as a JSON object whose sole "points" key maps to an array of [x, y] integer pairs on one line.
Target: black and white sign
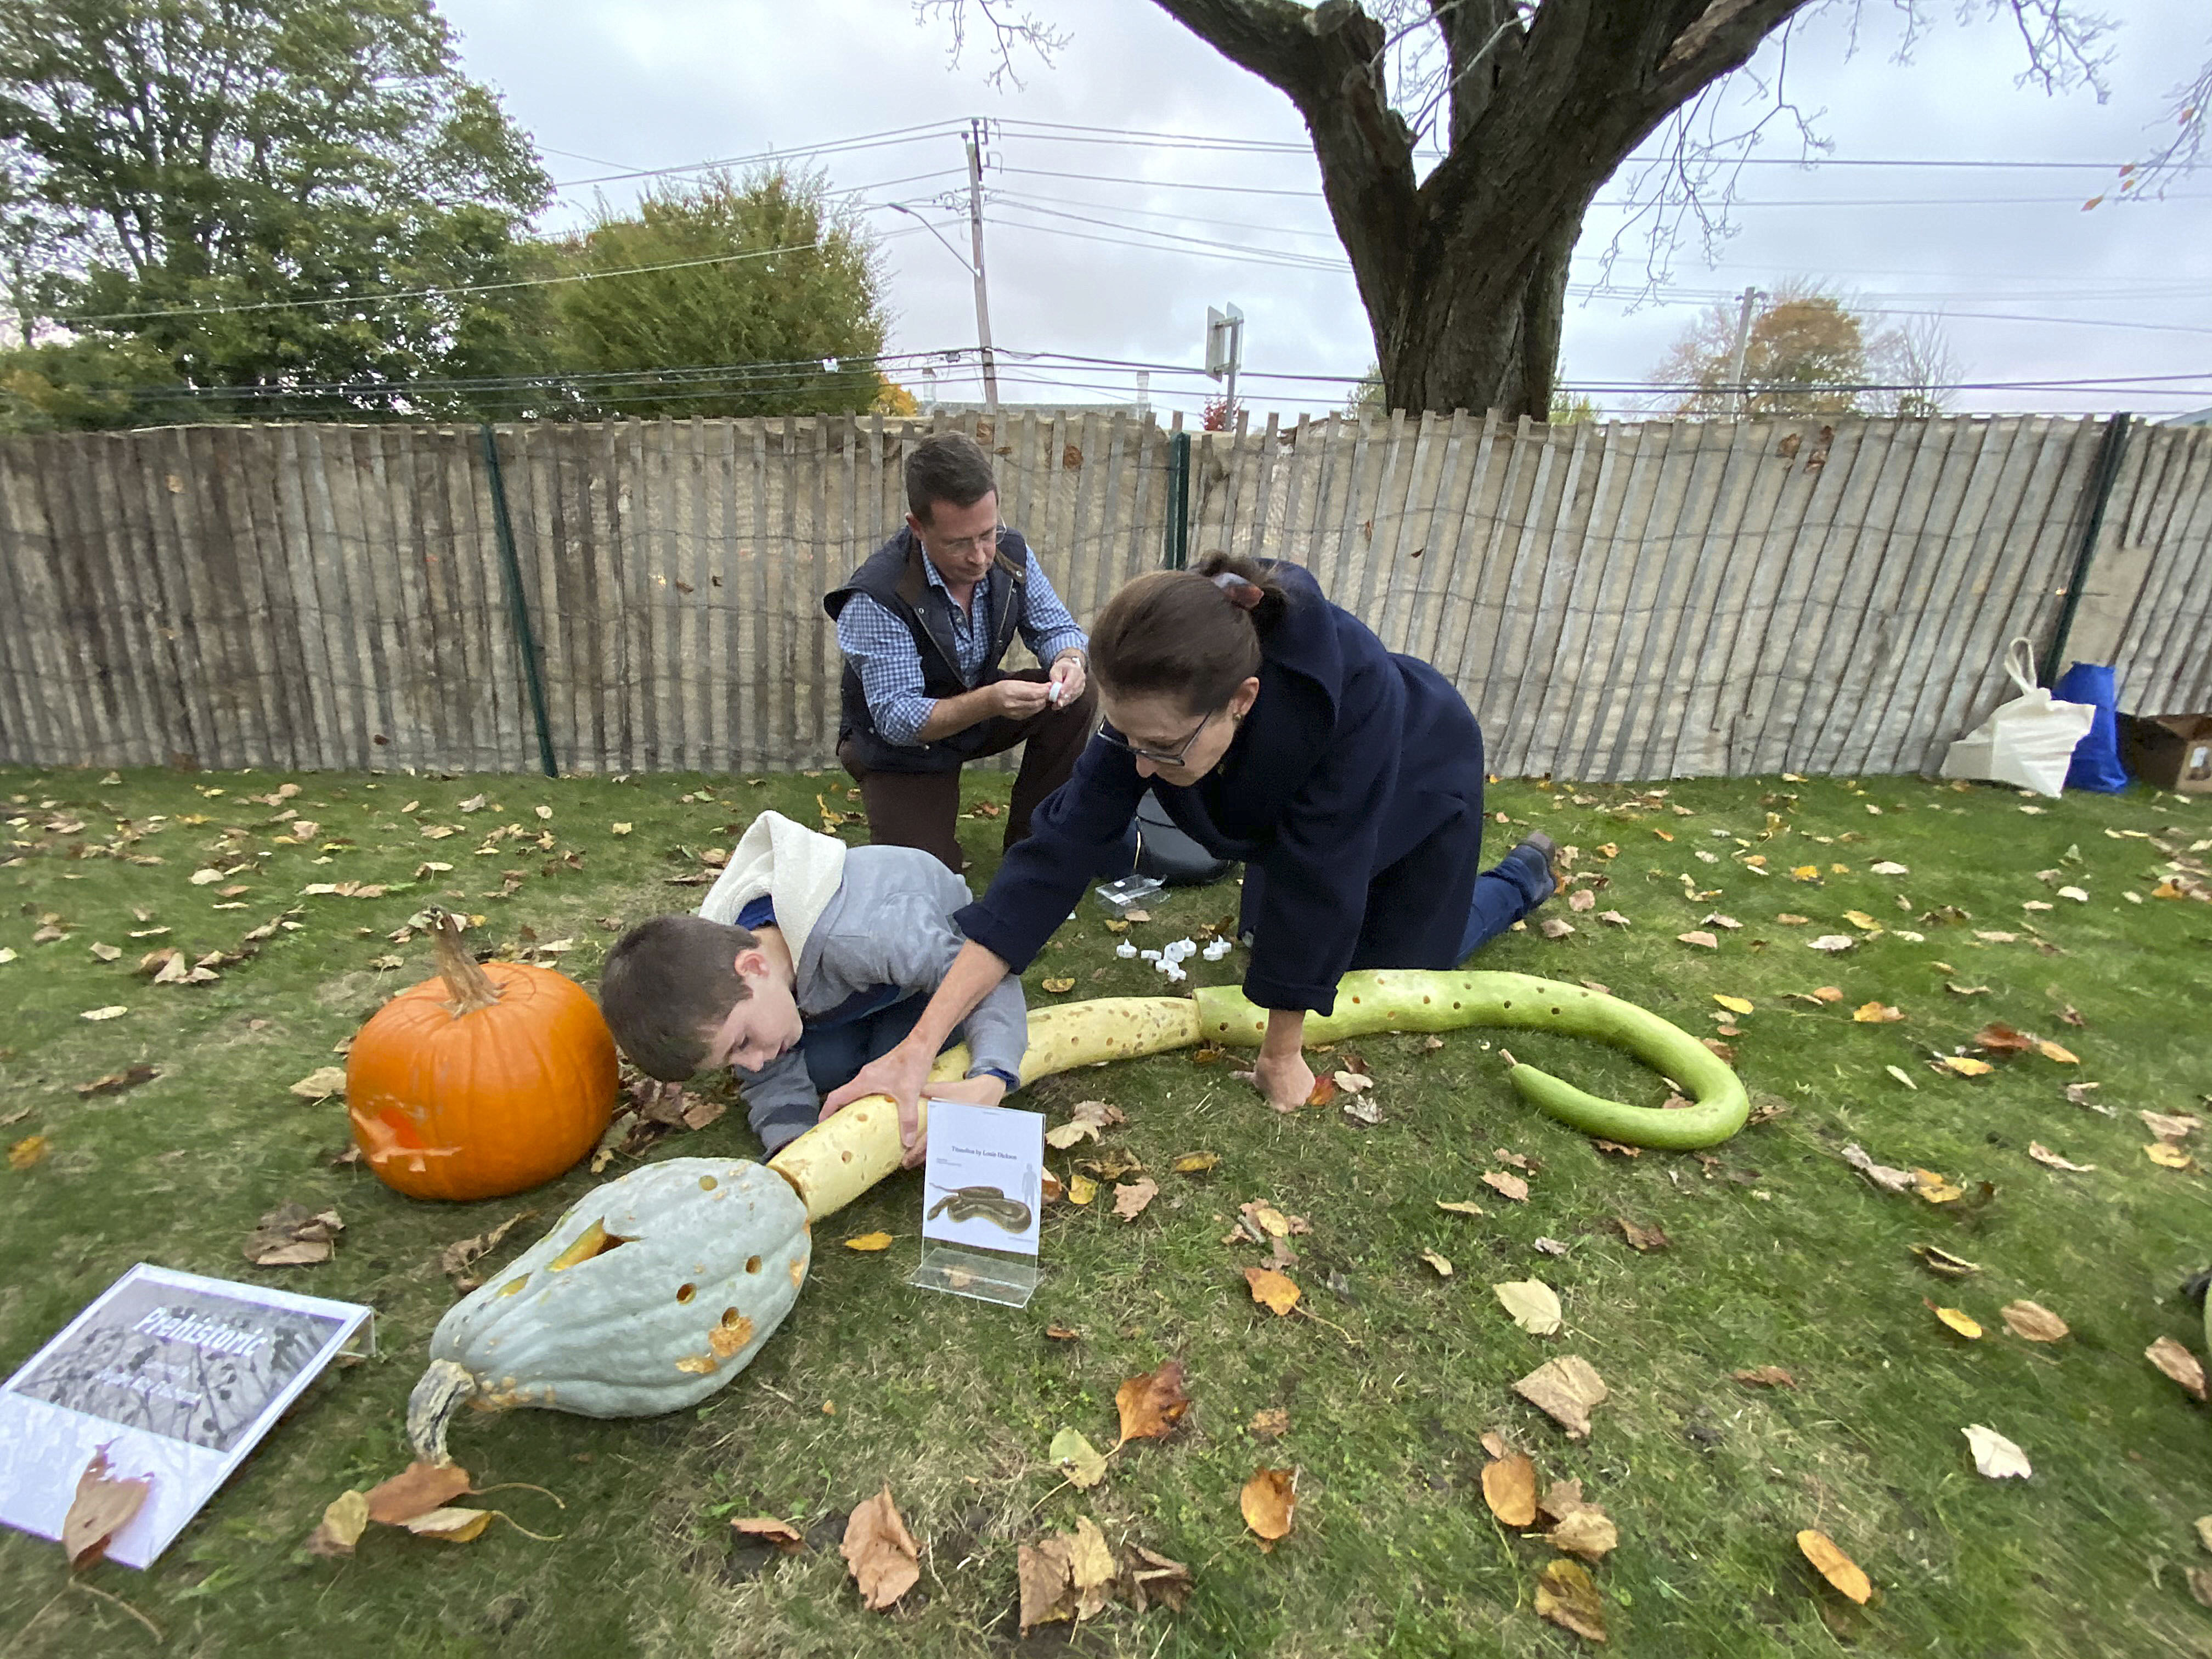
{"points": [[178, 1377]]}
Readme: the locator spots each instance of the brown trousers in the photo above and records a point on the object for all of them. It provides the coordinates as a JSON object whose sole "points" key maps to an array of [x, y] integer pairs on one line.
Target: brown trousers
{"points": [[922, 808]]}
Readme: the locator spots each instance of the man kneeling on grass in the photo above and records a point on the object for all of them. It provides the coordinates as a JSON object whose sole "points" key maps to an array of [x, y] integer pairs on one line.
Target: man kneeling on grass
{"points": [[807, 960]]}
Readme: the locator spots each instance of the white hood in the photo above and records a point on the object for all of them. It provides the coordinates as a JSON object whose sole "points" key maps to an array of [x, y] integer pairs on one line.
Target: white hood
{"points": [[800, 868]]}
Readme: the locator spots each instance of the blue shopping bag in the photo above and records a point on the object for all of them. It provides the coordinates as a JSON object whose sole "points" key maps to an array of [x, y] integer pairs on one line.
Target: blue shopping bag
{"points": [[2096, 763]]}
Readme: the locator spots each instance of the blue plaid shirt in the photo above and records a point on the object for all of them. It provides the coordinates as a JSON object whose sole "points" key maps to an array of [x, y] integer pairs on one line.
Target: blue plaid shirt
{"points": [[881, 651]]}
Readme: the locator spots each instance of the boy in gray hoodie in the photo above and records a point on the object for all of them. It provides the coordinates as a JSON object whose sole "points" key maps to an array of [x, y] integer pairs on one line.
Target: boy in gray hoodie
{"points": [[807, 960]]}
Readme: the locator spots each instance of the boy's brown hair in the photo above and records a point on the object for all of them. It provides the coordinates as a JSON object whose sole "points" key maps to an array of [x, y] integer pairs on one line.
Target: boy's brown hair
{"points": [[667, 984]]}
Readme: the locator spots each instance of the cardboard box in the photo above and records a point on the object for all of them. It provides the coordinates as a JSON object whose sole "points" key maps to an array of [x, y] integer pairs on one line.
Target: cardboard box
{"points": [[2169, 751]]}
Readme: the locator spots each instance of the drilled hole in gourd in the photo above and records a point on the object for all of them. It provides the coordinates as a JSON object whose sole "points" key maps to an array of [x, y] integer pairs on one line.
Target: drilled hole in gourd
{"points": [[708, 1183], [1555, 1010], [1505, 1005], [845, 1158], [1456, 1004], [1425, 1000], [731, 1316], [594, 1240], [685, 1292], [752, 1264]]}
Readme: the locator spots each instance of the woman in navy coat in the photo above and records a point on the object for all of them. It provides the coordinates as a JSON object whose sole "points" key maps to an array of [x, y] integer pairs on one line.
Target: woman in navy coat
{"points": [[1273, 728]]}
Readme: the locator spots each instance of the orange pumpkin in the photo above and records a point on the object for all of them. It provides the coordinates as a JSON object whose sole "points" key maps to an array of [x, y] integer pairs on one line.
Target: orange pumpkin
{"points": [[488, 1079]]}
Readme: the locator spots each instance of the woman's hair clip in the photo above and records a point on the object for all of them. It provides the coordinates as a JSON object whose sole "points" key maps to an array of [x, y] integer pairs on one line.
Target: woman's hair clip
{"points": [[1244, 594]]}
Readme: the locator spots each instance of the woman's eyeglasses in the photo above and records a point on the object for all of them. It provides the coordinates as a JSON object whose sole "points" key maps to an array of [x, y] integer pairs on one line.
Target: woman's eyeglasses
{"points": [[1157, 757]]}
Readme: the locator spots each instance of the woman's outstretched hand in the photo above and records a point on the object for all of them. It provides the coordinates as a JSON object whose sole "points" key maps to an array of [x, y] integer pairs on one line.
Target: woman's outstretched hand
{"points": [[899, 1074]]}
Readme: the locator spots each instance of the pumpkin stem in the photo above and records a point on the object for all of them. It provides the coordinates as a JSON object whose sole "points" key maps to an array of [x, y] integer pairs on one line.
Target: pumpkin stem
{"points": [[430, 1408], [466, 982]]}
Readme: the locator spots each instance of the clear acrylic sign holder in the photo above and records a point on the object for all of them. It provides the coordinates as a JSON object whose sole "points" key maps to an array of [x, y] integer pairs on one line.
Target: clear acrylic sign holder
{"points": [[983, 1190]]}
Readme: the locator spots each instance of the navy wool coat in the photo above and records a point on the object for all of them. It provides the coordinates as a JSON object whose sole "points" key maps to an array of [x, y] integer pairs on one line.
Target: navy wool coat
{"points": [[1353, 792]]}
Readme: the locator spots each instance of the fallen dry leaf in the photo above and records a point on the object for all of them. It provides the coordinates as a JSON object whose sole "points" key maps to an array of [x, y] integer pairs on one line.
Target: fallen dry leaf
{"points": [[1151, 1405], [1994, 1456], [1833, 943], [345, 1519], [1271, 1290], [103, 1506], [1081, 1189], [1059, 988], [1734, 1005], [1643, 1239], [1586, 1531], [879, 1551], [1271, 1422], [2043, 1154], [1902, 1076], [1442, 1266], [417, 1490], [1957, 1320], [2032, 1321], [450, 1526], [2168, 1156], [1195, 1163], [27, 1151], [2165, 1126], [1083, 1464], [321, 1083], [1269, 1503], [1936, 1188], [1962, 1065], [1553, 927], [113, 1011], [1564, 1389], [114, 1083], [1510, 1186], [786, 1538], [2178, 1363], [1765, 1376], [1509, 1487], [1943, 1262], [1149, 1577], [1566, 1594], [1889, 1179], [292, 1237], [1703, 940], [1837, 1568], [1876, 1013], [1533, 1305], [1460, 1207], [869, 1241], [1582, 899], [455, 1260], [1131, 1197], [2051, 1051]]}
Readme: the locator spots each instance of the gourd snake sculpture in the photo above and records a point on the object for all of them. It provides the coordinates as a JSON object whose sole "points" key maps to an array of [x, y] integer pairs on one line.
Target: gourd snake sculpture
{"points": [[658, 1288]]}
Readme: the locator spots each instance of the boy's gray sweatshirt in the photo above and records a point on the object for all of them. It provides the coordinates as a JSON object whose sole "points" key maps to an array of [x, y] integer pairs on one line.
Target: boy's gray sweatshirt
{"points": [[889, 923]]}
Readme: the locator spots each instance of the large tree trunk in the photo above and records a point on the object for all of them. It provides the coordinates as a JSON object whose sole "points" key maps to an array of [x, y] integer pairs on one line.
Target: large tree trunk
{"points": [[1463, 274]]}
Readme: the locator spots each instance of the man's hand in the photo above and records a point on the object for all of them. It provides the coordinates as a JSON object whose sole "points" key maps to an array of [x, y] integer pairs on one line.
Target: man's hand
{"points": [[971, 1091], [1017, 699], [1068, 675]]}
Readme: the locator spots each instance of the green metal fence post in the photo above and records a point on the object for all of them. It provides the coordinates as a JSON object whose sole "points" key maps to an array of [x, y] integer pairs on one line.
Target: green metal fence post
{"points": [[2102, 478], [1178, 548], [518, 607]]}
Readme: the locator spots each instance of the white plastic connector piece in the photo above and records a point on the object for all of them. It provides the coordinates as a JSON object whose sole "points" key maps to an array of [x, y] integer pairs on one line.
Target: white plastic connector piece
{"points": [[1125, 950]]}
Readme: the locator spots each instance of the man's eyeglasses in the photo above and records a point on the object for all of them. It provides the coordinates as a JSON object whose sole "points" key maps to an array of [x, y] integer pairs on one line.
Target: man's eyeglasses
{"points": [[975, 544], [1157, 757]]}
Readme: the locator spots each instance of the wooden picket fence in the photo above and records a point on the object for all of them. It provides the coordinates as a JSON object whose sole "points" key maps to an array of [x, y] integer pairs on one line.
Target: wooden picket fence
{"points": [[1636, 600]]}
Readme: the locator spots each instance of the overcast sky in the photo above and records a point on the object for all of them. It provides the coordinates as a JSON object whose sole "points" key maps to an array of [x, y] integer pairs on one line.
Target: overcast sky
{"points": [[1086, 264]]}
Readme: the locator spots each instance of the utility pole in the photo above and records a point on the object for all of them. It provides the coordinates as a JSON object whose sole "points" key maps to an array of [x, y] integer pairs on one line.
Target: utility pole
{"points": [[982, 289], [1751, 298]]}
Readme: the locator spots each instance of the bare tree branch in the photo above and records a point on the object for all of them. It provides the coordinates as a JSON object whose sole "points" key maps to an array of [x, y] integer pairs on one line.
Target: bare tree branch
{"points": [[1011, 30]]}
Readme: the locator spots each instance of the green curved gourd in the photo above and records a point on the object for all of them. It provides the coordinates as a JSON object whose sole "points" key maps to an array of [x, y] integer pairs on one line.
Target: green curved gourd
{"points": [[1411, 1001]]}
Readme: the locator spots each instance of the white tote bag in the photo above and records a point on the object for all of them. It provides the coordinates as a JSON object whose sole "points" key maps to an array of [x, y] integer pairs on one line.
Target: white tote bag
{"points": [[2028, 741]]}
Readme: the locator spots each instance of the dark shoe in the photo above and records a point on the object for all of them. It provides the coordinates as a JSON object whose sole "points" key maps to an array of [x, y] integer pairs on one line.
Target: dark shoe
{"points": [[1540, 850]]}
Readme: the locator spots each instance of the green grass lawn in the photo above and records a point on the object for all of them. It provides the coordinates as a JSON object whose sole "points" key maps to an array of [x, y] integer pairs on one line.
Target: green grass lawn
{"points": [[1780, 1254]]}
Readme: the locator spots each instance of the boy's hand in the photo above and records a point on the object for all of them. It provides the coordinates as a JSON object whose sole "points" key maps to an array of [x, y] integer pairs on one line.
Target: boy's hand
{"points": [[971, 1091]]}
